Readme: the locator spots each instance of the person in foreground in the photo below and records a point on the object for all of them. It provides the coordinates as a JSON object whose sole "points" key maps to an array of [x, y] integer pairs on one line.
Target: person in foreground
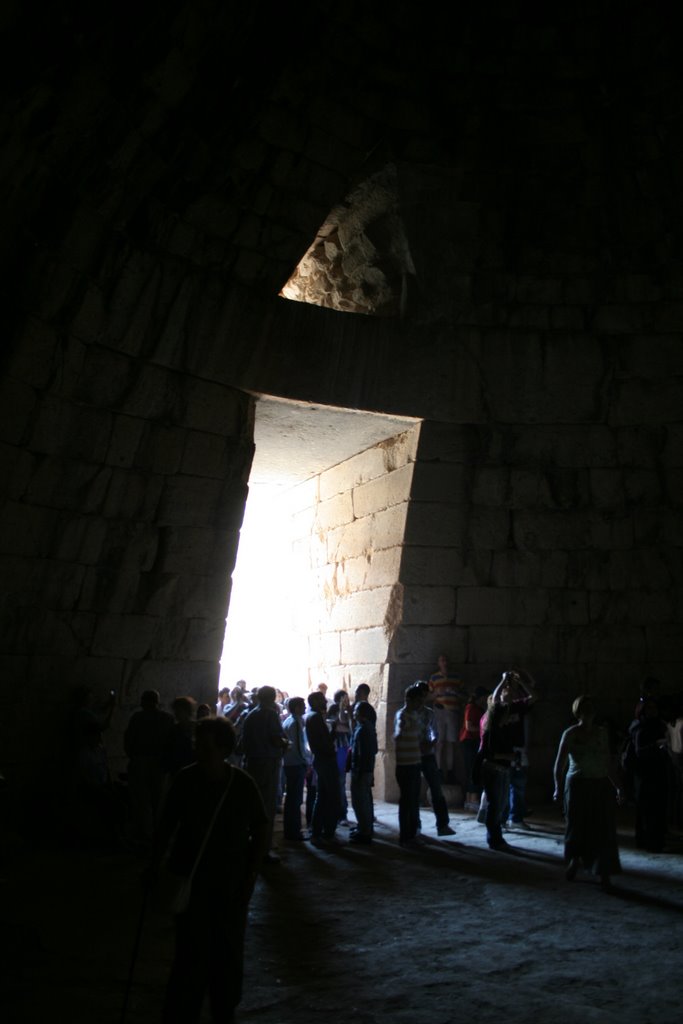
{"points": [[216, 826], [590, 795]]}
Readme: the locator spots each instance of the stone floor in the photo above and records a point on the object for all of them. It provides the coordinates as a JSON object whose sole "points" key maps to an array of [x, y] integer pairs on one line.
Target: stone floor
{"points": [[366, 934]]}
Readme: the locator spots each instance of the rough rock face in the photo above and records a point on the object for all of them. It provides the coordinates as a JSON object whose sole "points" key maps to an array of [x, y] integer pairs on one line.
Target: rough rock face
{"points": [[359, 261]]}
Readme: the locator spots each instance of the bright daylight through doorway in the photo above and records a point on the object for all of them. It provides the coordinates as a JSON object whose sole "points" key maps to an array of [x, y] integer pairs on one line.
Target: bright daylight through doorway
{"points": [[274, 606]]}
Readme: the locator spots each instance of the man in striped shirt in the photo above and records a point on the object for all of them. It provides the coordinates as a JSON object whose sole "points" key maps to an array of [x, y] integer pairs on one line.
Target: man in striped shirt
{"points": [[407, 730]]}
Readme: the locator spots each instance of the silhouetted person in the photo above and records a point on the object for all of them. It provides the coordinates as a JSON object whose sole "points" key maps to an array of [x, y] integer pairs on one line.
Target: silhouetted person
{"points": [[209, 948], [363, 752], [651, 778], [179, 749], [145, 739], [296, 760], [326, 807], [264, 743]]}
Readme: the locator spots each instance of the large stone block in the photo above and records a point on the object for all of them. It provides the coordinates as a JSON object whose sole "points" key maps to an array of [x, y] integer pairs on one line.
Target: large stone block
{"points": [[431, 524], [646, 401], [653, 527], [217, 409], [449, 442], [378, 532], [361, 610], [602, 643], [607, 488], [437, 565], [376, 569], [428, 606], [197, 549], [81, 539], [657, 355], [442, 481], [126, 437], [32, 360], [109, 590], [489, 528], [189, 501], [491, 486], [133, 496], [364, 646], [392, 489], [514, 645], [569, 607], [334, 512], [420, 646], [161, 449], [673, 449], [125, 636], [664, 644], [612, 530], [565, 446], [529, 569], [538, 531], [640, 446], [198, 679], [325, 649], [17, 404], [541, 377], [368, 465], [130, 545], [501, 606]]}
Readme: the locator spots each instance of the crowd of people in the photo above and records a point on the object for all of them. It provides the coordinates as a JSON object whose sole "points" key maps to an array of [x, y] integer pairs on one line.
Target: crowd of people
{"points": [[204, 785]]}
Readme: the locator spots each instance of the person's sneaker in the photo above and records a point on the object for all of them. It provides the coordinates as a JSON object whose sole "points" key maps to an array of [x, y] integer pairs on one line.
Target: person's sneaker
{"points": [[501, 847], [446, 830], [520, 826], [358, 837]]}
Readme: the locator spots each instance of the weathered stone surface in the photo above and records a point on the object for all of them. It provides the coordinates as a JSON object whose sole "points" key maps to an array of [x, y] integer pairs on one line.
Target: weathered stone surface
{"points": [[368, 465], [17, 403], [428, 606], [363, 609], [514, 645], [124, 636], [417, 646], [392, 489], [529, 569], [434, 565], [491, 486], [381, 531], [363, 646], [501, 606], [335, 512], [538, 531], [189, 501], [442, 481], [647, 401]]}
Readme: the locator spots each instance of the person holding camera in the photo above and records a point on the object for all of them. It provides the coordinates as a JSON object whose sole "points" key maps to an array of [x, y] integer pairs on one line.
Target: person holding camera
{"points": [[503, 736]]}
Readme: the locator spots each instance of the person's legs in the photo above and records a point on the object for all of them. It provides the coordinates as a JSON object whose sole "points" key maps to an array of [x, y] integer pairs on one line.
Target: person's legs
{"points": [[430, 770], [226, 962], [264, 771], [361, 798], [518, 777], [496, 785], [409, 778], [326, 808], [294, 795], [190, 970]]}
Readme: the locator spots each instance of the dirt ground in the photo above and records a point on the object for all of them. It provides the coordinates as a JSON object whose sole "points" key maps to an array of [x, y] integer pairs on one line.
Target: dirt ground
{"points": [[451, 932]]}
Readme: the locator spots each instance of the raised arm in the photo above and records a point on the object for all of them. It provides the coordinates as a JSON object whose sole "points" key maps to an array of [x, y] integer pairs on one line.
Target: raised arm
{"points": [[561, 763]]}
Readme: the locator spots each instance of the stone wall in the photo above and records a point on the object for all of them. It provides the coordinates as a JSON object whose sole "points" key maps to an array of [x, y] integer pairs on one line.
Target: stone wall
{"points": [[125, 489], [349, 525]]}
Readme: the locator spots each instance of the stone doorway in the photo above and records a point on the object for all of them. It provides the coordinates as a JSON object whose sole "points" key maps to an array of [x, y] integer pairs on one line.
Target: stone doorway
{"points": [[319, 547]]}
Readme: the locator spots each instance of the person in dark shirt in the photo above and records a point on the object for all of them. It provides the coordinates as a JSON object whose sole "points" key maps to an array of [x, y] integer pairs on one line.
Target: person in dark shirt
{"points": [[209, 949], [263, 744], [503, 734], [326, 807], [145, 739], [363, 752]]}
